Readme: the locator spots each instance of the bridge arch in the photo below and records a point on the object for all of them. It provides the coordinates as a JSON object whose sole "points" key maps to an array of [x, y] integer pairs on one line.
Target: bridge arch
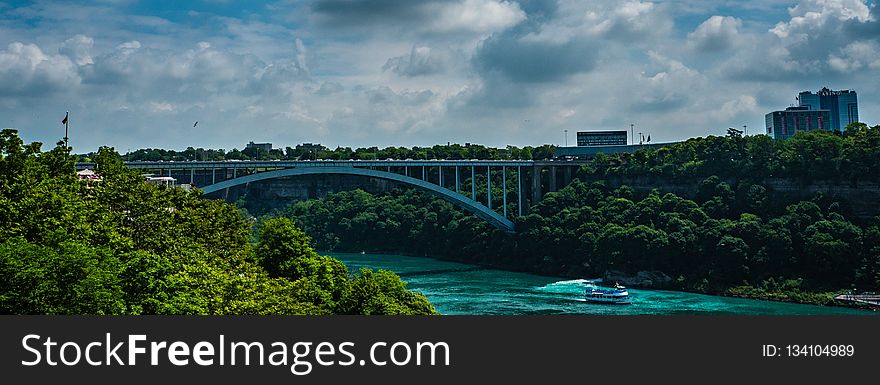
{"points": [[455, 198]]}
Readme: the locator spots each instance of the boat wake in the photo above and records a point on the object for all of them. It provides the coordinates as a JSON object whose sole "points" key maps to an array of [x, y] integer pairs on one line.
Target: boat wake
{"points": [[573, 286]]}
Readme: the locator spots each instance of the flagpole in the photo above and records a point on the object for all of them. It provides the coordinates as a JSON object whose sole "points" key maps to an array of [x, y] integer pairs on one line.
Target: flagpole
{"points": [[66, 125]]}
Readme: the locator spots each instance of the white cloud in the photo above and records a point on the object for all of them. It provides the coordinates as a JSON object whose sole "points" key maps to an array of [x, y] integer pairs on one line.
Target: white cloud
{"points": [[811, 16], [668, 85], [422, 60], [25, 70], [162, 107], [78, 49], [856, 56], [632, 21], [480, 16], [301, 55], [717, 33]]}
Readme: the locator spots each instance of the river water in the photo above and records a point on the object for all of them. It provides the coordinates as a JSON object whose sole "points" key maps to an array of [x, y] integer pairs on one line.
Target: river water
{"points": [[456, 288]]}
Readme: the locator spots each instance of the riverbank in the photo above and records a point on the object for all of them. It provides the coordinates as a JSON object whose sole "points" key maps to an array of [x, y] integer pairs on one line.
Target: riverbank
{"points": [[742, 291], [809, 298]]}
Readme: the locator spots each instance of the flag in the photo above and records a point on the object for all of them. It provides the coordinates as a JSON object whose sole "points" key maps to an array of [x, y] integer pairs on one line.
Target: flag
{"points": [[64, 121]]}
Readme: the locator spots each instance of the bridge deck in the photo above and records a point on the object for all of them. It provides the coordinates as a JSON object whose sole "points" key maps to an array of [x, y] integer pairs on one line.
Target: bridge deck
{"points": [[336, 163]]}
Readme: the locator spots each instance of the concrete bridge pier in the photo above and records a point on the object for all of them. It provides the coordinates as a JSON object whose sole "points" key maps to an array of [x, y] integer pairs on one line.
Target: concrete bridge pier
{"points": [[489, 186], [519, 190], [504, 188], [473, 183], [536, 184]]}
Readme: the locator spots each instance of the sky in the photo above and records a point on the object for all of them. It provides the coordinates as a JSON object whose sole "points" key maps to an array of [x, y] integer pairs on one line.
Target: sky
{"points": [[138, 74]]}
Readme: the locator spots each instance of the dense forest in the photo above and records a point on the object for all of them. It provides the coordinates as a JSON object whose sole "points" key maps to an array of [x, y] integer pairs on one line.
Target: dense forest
{"points": [[810, 155], [449, 151], [124, 246], [729, 237]]}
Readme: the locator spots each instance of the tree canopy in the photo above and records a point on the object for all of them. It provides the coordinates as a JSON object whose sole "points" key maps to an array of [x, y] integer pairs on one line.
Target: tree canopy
{"points": [[125, 246]]}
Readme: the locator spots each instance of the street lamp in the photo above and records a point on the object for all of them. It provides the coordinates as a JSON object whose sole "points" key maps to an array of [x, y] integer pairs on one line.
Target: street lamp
{"points": [[566, 138], [632, 135]]}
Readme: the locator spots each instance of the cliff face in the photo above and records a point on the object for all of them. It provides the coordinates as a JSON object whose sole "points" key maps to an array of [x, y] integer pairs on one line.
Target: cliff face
{"points": [[861, 199]]}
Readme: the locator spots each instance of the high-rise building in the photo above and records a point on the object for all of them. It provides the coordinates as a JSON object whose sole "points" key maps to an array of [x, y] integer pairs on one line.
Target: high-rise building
{"points": [[843, 106], [784, 124]]}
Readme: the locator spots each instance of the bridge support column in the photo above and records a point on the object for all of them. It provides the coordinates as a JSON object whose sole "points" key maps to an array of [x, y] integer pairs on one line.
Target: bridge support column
{"points": [[519, 189], [406, 170], [234, 173], [213, 175], [553, 186], [489, 186], [456, 180], [424, 174], [473, 183], [192, 176], [536, 184], [504, 188], [440, 172]]}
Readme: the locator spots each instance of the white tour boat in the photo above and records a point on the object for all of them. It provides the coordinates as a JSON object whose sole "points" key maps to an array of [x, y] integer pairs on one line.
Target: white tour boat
{"points": [[616, 295]]}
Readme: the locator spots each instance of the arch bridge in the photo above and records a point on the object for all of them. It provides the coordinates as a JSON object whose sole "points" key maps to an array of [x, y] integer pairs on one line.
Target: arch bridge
{"points": [[433, 176]]}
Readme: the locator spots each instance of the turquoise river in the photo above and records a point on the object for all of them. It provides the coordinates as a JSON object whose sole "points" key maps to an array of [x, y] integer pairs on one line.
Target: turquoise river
{"points": [[456, 288]]}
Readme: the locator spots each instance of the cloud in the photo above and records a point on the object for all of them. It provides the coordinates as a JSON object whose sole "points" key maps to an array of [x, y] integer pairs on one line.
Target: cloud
{"points": [[856, 56], [478, 16], [78, 49], [527, 60], [667, 85], [419, 72], [820, 39], [420, 61], [162, 107], [328, 88], [634, 22], [25, 70], [811, 16], [717, 33], [419, 16]]}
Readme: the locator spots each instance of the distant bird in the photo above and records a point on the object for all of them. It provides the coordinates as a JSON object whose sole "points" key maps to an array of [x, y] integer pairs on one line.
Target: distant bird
{"points": [[196, 123]]}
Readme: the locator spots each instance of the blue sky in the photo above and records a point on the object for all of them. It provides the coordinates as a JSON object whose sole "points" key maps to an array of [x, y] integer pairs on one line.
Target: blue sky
{"points": [[138, 74]]}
